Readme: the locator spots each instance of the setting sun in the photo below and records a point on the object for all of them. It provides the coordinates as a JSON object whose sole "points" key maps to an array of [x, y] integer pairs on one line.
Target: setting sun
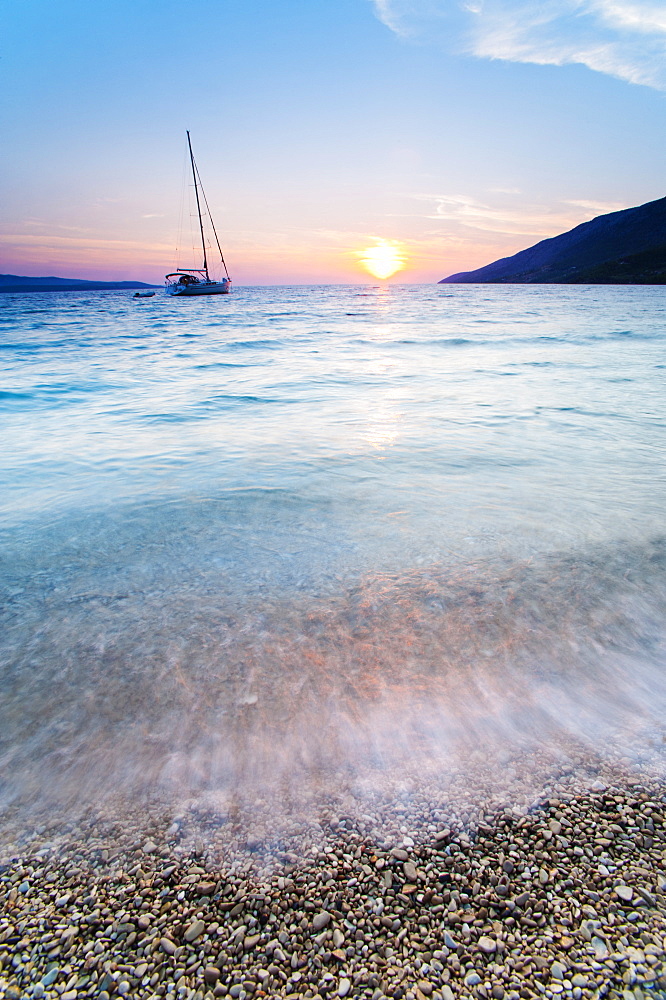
{"points": [[382, 260]]}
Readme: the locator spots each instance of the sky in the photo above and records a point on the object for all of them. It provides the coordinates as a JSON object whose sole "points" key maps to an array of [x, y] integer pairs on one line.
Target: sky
{"points": [[447, 133]]}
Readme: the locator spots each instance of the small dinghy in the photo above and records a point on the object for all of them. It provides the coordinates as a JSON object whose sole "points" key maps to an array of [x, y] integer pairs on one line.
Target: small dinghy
{"points": [[143, 295]]}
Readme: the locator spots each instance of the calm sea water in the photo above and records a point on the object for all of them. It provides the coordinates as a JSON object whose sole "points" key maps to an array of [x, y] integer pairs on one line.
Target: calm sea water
{"points": [[298, 532]]}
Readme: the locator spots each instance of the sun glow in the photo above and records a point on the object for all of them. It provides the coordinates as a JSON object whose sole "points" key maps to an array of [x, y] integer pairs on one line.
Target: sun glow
{"points": [[383, 260]]}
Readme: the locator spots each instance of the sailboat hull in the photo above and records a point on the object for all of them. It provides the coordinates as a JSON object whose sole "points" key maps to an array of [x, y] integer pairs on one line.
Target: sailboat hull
{"points": [[201, 288], [196, 280]]}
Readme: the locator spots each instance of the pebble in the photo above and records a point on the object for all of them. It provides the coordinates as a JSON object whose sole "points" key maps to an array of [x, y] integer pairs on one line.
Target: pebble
{"points": [[487, 945], [600, 948], [409, 869], [195, 930], [557, 970], [512, 904]]}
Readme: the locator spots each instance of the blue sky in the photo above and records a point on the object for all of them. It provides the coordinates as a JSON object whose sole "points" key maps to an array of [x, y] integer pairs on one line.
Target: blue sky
{"points": [[457, 131]]}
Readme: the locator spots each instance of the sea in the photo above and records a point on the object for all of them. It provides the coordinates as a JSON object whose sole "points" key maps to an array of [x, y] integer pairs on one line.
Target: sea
{"points": [[271, 542]]}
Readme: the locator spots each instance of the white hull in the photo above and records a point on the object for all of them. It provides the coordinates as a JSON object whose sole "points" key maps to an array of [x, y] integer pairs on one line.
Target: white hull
{"points": [[201, 288]]}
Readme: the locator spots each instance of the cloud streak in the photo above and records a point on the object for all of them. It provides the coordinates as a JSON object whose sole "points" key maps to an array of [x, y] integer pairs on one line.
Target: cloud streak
{"points": [[621, 38], [500, 217]]}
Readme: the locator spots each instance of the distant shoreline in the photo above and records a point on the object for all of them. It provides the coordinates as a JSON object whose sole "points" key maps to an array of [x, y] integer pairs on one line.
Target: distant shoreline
{"points": [[76, 288], [22, 283]]}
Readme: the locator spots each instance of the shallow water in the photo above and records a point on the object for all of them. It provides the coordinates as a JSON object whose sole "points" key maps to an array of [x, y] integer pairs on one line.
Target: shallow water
{"points": [[298, 534]]}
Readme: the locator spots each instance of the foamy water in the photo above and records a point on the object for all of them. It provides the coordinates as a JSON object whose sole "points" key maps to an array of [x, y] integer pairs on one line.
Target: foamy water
{"points": [[304, 535]]}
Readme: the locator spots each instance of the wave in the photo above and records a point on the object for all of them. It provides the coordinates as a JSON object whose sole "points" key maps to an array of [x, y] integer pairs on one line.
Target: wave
{"points": [[50, 395], [395, 674], [203, 409], [241, 345], [225, 364]]}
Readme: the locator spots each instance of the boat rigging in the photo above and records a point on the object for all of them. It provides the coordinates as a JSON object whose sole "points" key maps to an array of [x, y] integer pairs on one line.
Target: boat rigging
{"points": [[197, 280]]}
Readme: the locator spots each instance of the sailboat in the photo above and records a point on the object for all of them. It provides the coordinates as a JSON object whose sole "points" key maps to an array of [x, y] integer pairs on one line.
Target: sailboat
{"points": [[197, 280]]}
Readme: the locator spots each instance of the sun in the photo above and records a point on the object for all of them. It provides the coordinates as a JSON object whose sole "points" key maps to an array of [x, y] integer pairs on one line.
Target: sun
{"points": [[383, 260]]}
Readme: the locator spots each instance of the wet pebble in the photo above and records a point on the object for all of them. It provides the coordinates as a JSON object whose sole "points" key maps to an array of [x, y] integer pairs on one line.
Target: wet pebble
{"points": [[562, 897]]}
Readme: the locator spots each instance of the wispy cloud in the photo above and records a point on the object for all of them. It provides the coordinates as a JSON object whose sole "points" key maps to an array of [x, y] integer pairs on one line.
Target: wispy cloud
{"points": [[622, 38], [462, 212], [597, 207], [86, 251]]}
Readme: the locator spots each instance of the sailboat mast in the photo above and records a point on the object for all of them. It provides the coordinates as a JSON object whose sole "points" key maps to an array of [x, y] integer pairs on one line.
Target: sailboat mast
{"points": [[196, 191]]}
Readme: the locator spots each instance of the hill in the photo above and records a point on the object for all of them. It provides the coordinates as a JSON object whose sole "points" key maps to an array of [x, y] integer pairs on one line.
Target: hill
{"points": [[19, 283], [625, 248]]}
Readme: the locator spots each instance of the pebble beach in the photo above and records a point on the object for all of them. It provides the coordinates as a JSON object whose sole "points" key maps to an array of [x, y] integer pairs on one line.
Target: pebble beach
{"points": [[427, 893], [332, 645]]}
